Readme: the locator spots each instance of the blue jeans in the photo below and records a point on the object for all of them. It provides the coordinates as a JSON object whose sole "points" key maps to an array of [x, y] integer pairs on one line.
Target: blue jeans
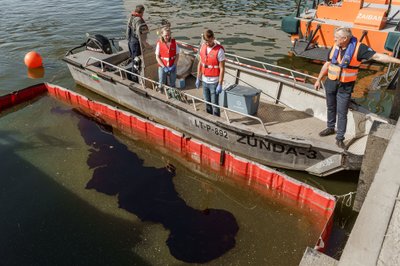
{"points": [[338, 96], [162, 77], [210, 95]]}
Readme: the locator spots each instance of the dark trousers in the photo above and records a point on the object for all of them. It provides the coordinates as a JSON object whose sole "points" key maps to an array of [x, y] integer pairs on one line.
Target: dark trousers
{"points": [[134, 50], [134, 47], [338, 96]]}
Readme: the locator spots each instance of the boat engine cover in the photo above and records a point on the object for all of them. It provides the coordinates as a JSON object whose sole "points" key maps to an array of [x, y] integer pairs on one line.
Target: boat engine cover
{"points": [[98, 43]]}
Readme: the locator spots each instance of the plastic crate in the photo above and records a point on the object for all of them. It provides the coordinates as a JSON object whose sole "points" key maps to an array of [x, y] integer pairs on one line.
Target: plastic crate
{"points": [[241, 98]]}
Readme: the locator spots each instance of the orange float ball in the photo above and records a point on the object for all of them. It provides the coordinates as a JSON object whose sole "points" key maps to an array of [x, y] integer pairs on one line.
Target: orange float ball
{"points": [[33, 60]]}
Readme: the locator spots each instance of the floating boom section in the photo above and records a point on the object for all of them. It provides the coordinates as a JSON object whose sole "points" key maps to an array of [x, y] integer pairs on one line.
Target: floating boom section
{"points": [[204, 154]]}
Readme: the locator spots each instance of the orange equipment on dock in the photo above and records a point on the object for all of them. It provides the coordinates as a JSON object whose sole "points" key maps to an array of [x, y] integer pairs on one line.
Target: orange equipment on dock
{"points": [[373, 22]]}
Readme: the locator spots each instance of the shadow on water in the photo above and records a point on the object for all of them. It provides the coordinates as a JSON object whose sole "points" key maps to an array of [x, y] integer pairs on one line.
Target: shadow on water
{"points": [[37, 227], [195, 235]]}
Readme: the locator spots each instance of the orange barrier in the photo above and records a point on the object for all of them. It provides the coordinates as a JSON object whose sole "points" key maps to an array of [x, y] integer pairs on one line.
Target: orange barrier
{"points": [[199, 152]]}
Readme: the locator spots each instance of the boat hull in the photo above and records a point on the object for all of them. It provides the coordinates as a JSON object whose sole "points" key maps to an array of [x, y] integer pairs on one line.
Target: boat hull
{"points": [[273, 150]]}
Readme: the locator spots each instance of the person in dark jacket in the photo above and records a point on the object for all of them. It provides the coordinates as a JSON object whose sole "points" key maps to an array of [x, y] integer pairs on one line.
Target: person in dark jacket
{"points": [[136, 25]]}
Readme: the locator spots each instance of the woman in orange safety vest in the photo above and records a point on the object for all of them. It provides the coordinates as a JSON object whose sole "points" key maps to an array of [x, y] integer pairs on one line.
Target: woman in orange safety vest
{"points": [[167, 55]]}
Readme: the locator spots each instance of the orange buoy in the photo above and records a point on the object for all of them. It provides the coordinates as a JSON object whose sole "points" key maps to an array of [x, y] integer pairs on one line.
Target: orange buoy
{"points": [[33, 60]]}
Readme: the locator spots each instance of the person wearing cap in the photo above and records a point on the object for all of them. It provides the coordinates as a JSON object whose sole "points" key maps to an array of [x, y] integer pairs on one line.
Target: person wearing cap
{"points": [[341, 68], [210, 70], [136, 25], [167, 55]]}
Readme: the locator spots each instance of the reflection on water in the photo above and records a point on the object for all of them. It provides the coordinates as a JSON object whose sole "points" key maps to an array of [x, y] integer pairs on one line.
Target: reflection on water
{"points": [[36, 73]]}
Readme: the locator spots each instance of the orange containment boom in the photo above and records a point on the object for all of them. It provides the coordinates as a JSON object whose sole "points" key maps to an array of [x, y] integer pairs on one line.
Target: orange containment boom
{"points": [[199, 152]]}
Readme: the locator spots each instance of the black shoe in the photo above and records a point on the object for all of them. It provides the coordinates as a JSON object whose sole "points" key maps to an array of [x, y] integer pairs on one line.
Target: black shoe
{"points": [[340, 144], [326, 132]]}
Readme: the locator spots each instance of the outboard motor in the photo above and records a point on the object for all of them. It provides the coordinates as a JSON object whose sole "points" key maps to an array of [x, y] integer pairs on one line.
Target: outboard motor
{"points": [[137, 64], [136, 67], [98, 43]]}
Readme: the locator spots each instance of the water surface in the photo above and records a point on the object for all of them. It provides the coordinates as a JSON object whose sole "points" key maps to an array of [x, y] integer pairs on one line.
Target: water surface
{"points": [[154, 207]]}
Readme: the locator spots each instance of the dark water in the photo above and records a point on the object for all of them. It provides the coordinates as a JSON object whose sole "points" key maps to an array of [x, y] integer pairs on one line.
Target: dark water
{"points": [[49, 208], [76, 191]]}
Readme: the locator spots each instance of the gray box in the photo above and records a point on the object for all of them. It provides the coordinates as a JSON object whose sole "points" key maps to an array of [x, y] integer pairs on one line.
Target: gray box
{"points": [[222, 101], [242, 99]]}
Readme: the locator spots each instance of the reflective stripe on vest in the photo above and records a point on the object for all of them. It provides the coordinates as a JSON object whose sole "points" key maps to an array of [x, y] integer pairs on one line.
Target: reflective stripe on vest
{"points": [[167, 54], [206, 66], [344, 75], [209, 62], [167, 58]]}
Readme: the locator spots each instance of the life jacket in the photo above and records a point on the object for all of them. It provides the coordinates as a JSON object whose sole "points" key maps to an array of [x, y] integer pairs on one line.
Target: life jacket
{"points": [[167, 54], [344, 69], [209, 62], [135, 14]]}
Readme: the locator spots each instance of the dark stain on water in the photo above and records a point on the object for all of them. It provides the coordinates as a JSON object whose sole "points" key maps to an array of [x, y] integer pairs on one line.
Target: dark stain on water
{"points": [[196, 236]]}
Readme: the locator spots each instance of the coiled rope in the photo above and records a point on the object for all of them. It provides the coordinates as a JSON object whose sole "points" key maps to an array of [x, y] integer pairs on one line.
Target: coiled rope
{"points": [[346, 199]]}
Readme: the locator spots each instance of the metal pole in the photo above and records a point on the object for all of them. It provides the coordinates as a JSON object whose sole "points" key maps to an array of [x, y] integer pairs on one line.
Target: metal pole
{"points": [[395, 112], [298, 8]]}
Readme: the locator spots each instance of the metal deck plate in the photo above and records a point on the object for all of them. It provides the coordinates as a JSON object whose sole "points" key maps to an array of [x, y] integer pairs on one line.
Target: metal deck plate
{"points": [[315, 53]]}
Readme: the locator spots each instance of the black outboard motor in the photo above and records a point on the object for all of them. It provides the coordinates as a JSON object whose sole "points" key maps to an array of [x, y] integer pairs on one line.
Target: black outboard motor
{"points": [[98, 43]]}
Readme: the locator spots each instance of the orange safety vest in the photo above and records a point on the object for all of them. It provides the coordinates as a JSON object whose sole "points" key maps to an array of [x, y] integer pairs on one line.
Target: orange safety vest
{"points": [[209, 62], [349, 74], [167, 54]]}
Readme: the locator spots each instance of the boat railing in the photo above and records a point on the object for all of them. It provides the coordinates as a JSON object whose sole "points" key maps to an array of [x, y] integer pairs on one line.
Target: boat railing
{"points": [[171, 92], [262, 66]]}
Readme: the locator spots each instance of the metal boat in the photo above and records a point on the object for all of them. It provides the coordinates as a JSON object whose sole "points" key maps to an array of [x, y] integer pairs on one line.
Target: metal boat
{"points": [[282, 132]]}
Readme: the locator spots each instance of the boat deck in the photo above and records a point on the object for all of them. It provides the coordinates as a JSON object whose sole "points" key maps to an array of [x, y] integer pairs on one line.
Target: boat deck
{"points": [[277, 119]]}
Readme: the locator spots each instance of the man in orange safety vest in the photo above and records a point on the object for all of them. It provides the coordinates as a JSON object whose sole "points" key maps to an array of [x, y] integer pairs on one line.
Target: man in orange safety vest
{"points": [[341, 68], [210, 71]]}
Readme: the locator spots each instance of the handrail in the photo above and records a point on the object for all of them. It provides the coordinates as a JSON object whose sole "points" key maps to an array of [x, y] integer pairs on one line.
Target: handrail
{"points": [[263, 64], [155, 84]]}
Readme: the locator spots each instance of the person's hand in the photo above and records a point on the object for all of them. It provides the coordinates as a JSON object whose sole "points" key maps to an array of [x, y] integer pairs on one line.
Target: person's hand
{"points": [[197, 83], [219, 89], [317, 85], [172, 68]]}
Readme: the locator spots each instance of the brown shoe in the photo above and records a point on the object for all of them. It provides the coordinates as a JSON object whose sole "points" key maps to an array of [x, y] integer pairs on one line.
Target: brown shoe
{"points": [[326, 132]]}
